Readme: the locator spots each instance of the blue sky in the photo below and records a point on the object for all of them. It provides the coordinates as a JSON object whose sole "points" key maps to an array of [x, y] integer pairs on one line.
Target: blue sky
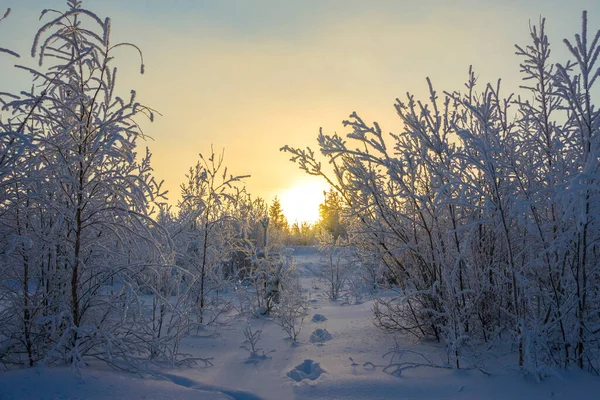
{"points": [[251, 76]]}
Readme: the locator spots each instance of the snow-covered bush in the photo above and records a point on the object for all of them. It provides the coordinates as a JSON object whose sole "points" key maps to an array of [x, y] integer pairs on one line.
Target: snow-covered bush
{"points": [[252, 338], [341, 264], [251, 344], [483, 209], [291, 308]]}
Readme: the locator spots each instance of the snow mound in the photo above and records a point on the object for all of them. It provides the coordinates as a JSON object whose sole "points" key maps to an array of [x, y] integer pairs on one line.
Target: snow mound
{"points": [[320, 336], [319, 318], [307, 370]]}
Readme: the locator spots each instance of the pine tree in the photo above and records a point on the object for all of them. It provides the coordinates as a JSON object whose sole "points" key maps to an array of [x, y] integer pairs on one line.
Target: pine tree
{"points": [[276, 218], [330, 213]]}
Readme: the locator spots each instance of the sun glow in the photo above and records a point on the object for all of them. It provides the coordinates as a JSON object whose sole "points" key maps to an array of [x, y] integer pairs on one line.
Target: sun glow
{"points": [[301, 202]]}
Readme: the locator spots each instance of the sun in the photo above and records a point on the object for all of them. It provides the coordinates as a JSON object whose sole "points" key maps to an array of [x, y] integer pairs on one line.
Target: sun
{"points": [[300, 203]]}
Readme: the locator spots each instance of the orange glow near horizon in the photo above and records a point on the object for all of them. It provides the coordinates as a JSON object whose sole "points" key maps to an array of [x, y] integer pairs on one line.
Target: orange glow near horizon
{"points": [[251, 77], [300, 203]]}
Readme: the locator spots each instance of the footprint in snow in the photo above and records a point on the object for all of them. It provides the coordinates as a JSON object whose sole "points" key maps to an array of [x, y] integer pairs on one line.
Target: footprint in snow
{"points": [[320, 336], [307, 370], [319, 318]]}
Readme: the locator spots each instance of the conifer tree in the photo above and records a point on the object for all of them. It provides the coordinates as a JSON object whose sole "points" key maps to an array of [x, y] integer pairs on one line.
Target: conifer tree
{"points": [[276, 218]]}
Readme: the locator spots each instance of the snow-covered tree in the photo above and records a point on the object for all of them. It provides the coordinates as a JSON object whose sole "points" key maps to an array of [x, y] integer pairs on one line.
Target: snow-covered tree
{"points": [[483, 209], [207, 238], [78, 235]]}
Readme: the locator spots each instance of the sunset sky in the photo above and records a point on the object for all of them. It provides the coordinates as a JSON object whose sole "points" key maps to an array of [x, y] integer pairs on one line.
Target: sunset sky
{"points": [[252, 76]]}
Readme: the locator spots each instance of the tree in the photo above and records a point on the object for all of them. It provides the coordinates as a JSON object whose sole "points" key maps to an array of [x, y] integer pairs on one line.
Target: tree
{"points": [[276, 218], [205, 216], [302, 234], [481, 209], [330, 213], [77, 220]]}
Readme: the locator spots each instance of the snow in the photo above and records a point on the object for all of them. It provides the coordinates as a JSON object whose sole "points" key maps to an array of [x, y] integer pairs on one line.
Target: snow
{"points": [[319, 318], [347, 364], [307, 370], [320, 335], [63, 383]]}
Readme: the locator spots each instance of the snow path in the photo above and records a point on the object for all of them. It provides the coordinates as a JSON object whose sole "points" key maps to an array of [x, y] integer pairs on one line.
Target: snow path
{"points": [[188, 383], [352, 335]]}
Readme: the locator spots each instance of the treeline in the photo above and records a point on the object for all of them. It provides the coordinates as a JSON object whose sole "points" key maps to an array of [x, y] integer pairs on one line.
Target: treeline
{"points": [[331, 222], [484, 210]]}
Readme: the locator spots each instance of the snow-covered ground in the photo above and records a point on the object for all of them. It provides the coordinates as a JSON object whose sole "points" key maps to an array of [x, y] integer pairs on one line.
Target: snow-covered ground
{"points": [[339, 356]]}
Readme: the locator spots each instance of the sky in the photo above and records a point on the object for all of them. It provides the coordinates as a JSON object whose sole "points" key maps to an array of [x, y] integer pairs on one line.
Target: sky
{"points": [[251, 76]]}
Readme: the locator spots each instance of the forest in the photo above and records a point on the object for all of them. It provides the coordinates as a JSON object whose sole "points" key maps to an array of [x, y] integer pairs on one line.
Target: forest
{"points": [[474, 227]]}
